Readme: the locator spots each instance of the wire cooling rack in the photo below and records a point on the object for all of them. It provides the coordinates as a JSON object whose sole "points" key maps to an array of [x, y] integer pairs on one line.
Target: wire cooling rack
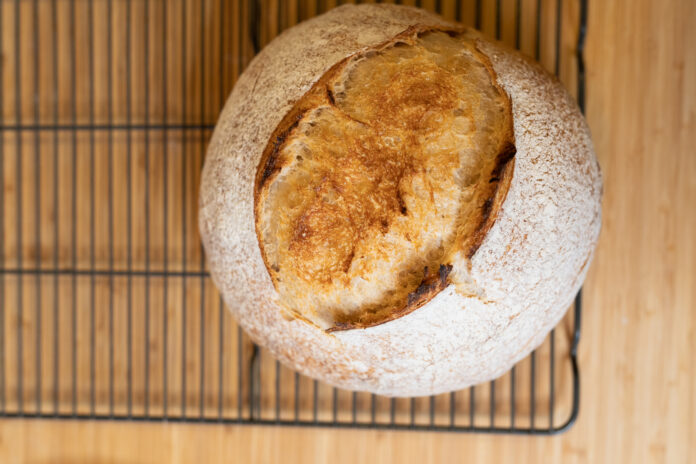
{"points": [[106, 309]]}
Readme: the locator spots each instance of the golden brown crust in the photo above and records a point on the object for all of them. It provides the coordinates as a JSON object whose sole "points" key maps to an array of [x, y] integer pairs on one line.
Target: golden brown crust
{"points": [[322, 245]]}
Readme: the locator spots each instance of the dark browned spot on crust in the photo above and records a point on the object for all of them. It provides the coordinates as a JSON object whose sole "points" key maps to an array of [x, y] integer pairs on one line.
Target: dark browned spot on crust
{"points": [[505, 155], [501, 177], [431, 285], [402, 204], [385, 225], [349, 261], [271, 165]]}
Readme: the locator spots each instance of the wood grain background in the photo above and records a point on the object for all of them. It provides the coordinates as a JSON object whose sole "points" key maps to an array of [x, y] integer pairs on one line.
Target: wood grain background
{"points": [[639, 322]]}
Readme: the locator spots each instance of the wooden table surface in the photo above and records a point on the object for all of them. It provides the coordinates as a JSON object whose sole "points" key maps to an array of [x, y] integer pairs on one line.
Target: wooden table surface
{"points": [[639, 326]]}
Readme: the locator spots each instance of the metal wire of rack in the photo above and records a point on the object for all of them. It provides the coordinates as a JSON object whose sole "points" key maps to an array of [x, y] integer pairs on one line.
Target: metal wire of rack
{"points": [[106, 309]]}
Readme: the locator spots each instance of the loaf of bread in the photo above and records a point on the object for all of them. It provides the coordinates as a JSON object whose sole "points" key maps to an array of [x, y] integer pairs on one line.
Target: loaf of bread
{"points": [[393, 203]]}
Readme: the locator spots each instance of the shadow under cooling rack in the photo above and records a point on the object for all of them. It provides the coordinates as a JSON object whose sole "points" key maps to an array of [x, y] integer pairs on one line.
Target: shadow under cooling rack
{"points": [[106, 308]]}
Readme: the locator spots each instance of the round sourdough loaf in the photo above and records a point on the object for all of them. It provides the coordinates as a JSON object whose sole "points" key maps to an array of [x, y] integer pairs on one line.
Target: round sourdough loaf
{"points": [[392, 203]]}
